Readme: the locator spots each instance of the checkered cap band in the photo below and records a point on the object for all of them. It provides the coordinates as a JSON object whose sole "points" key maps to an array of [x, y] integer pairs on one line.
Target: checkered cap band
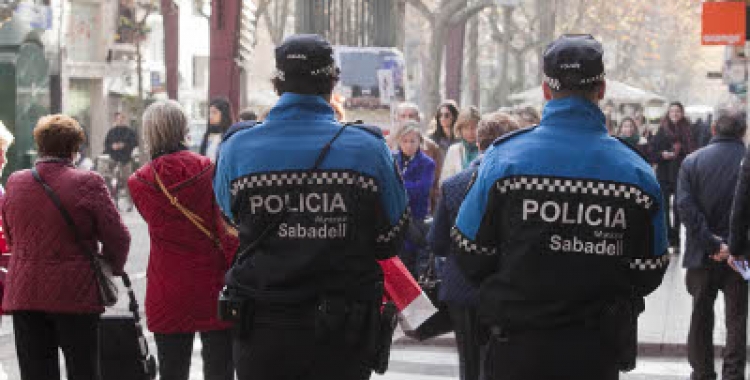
{"points": [[576, 186]]}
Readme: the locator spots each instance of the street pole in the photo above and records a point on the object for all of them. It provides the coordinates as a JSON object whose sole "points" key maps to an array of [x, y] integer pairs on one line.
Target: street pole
{"points": [[171, 18], [224, 78]]}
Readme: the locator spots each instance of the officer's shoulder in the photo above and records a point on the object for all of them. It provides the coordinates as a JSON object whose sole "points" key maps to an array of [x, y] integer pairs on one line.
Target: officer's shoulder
{"points": [[368, 128], [238, 127], [631, 148], [508, 136]]}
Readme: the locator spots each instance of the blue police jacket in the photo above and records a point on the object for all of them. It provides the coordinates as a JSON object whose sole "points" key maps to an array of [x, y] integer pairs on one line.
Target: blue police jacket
{"points": [[561, 220], [324, 229]]}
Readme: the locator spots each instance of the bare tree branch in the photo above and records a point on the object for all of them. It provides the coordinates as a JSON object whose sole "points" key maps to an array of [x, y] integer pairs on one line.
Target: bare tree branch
{"points": [[262, 8], [422, 8], [470, 11]]}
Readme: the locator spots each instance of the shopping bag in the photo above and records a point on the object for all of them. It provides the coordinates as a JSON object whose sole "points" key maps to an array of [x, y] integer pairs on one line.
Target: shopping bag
{"points": [[414, 306]]}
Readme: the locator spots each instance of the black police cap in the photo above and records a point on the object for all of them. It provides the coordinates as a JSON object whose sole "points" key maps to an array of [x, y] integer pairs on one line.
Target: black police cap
{"points": [[304, 55], [573, 61]]}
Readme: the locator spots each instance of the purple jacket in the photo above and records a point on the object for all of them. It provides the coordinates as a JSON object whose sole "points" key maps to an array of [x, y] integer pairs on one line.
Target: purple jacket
{"points": [[418, 175]]}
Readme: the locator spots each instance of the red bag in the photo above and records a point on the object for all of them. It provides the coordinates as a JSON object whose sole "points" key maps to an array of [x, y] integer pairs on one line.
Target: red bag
{"points": [[400, 287]]}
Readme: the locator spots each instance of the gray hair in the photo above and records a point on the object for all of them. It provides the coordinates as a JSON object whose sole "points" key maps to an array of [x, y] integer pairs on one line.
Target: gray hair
{"points": [[6, 138], [164, 127], [408, 106], [408, 127]]}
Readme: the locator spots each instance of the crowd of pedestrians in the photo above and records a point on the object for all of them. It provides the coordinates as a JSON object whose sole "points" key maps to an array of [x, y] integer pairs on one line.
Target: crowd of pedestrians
{"points": [[474, 184]]}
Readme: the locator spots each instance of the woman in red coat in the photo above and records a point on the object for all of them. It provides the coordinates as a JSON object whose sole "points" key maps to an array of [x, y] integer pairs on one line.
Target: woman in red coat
{"points": [[51, 289], [190, 248]]}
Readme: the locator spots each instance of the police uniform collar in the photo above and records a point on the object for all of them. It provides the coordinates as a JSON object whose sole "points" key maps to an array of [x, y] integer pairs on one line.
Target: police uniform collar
{"points": [[723, 139], [574, 112], [298, 106]]}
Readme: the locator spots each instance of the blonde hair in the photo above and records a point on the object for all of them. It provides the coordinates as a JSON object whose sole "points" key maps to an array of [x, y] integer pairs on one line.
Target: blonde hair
{"points": [[466, 116], [6, 138], [408, 127], [164, 127]]}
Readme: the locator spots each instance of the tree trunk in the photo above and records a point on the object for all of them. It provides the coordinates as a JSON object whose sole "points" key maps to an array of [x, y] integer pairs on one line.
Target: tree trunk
{"points": [[546, 9], [431, 79], [503, 85], [472, 63], [454, 59]]}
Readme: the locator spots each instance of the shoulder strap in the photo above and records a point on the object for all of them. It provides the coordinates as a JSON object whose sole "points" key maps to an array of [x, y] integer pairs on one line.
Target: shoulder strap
{"points": [[71, 225], [191, 216]]}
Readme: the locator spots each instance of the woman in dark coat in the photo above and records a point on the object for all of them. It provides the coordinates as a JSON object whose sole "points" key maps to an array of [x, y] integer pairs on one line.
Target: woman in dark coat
{"points": [[51, 289], [220, 118], [418, 172], [669, 147], [444, 123], [188, 260]]}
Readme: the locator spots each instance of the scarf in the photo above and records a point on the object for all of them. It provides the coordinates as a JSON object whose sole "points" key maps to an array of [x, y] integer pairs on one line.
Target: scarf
{"points": [[471, 152], [632, 140]]}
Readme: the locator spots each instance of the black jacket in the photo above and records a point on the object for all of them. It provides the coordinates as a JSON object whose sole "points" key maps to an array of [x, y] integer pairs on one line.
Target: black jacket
{"points": [[667, 170], [740, 220], [705, 189], [123, 134]]}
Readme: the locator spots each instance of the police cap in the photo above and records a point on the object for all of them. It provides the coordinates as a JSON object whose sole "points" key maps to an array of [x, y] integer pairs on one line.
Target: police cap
{"points": [[305, 55], [573, 61]]}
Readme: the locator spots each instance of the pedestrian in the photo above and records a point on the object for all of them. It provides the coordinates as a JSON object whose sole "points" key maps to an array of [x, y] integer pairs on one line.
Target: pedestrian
{"points": [[6, 139], [308, 269], [248, 115], [444, 123], [561, 232], [463, 152], [119, 144], [220, 118], [461, 296], [705, 189], [418, 173], [410, 112], [51, 290], [669, 147], [528, 116], [190, 252]]}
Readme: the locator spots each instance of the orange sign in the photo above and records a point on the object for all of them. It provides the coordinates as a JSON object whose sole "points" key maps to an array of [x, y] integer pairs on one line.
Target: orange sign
{"points": [[724, 23]]}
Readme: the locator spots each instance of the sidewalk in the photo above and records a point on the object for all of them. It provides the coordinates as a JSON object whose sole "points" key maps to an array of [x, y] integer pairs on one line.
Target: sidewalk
{"points": [[662, 328]]}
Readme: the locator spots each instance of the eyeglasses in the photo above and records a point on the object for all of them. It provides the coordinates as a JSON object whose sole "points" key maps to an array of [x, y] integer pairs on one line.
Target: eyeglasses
{"points": [[446, 115]]}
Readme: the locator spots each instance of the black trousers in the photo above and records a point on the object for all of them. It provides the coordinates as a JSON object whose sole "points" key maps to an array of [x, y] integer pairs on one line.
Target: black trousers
{"points": [[175, 352], [466, 327], [704, 285], [39, 335], [280, 352], [577, 352], [672, 215]]}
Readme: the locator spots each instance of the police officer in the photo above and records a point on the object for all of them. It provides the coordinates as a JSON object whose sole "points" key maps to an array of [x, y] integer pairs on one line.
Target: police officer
{"points": [[563, 231], [316, 205]]}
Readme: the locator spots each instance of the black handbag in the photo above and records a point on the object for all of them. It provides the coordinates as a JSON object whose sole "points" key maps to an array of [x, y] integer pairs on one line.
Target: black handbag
{"points": [[439, 323], [123, 351]]}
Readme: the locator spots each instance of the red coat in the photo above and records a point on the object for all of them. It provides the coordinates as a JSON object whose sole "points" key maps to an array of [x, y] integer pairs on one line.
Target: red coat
{"points": [[47, 270], [185, 270]]}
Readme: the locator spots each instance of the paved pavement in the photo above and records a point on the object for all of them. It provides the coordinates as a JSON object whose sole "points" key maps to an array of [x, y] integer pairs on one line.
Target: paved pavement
{"points": [[663, 331]]}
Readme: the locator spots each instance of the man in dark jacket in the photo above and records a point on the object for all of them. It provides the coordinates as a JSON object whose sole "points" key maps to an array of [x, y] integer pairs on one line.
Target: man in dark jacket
{"points": [[121, 140], [705, 189], [461, 296], [562, 225], [317, 205]]}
